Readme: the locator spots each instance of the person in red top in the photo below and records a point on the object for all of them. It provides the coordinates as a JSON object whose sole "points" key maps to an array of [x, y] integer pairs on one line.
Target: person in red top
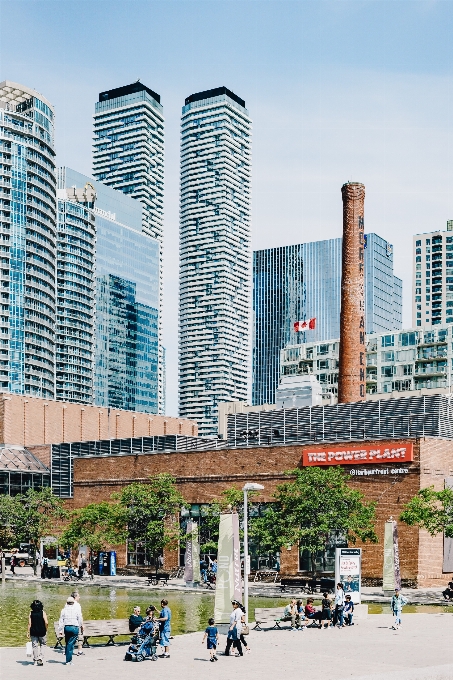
{"points": [[311, 612]]}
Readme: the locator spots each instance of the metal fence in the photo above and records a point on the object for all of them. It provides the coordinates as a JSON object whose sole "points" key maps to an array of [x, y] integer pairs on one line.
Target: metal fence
{"points": [[386, 419]]}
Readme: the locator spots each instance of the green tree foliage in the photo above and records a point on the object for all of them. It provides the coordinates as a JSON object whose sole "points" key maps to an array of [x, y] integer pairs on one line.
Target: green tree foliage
{"points": [[97, 526], [308, 509], [431, 510], [152, 513], [231, 499], [28, 517]]}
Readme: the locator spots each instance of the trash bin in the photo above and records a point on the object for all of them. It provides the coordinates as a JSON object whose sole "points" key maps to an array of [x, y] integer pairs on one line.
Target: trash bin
{"points": [[55, 572], [112, 563]]}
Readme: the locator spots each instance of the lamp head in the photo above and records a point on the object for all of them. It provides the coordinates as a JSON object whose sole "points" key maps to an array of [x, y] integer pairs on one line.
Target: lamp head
{"points": [[252, 486]]}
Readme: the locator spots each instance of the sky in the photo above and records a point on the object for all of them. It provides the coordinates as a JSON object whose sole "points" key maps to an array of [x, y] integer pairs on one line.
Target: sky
{"points": [[339, 90]]}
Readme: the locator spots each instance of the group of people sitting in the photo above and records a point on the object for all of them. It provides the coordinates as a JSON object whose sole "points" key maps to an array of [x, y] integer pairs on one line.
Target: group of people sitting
{"points": [[335, 610]]}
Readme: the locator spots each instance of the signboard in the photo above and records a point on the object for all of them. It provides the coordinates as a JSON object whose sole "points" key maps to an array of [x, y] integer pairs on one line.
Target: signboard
{"points": [[385, 452], [228, 583], [348, 571], [192, 556]]}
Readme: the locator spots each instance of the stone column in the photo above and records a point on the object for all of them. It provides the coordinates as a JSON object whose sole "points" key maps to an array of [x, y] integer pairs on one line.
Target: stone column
{"points": [[351, 379]]}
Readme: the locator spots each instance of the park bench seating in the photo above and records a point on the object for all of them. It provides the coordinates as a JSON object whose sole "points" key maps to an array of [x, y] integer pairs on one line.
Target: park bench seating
{"points": [[266, 576], [110, 628], [305, 585], [154, 579], [268, 615]]}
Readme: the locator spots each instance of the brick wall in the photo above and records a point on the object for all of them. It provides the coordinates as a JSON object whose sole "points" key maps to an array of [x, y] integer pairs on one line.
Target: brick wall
{"points": [[31, 420], [203, 475]]}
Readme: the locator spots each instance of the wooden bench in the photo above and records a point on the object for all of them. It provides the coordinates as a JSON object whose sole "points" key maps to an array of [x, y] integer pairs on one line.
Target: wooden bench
{"points": [[154, 579], [110, 628], [302, 584], [266, 576], [268, 615]]}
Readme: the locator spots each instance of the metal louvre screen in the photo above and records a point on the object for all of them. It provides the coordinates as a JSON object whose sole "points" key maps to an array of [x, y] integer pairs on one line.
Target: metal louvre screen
{"points": [[390, 418]]}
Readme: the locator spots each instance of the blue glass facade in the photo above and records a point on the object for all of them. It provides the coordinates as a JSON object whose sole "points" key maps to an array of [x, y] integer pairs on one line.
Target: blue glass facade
{"points": [[125, 280], [28, 242], [127, 296], [304, 281]]}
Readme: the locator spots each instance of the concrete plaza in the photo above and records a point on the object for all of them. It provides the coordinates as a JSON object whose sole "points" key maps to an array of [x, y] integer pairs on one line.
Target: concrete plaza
{"points": [[420, 650]]}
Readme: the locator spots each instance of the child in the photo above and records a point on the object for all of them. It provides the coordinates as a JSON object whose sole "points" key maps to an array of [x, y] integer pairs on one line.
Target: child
{"points": [[348, 611], [212, 634]]}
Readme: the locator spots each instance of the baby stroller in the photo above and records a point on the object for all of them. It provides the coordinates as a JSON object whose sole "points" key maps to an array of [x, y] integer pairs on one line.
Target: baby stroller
{"points": [[144, 643]]}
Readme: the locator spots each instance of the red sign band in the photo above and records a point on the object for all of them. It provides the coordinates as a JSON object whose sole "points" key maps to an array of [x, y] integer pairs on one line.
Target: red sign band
{"points": [[401, 452]]}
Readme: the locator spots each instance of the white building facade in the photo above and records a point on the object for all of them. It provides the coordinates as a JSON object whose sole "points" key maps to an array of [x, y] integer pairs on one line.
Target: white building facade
{"points": [[411, 361], [215, 255], [432, 299], [128, 155]]}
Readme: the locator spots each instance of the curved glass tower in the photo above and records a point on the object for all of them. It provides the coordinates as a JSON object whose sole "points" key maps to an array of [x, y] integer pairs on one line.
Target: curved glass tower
{"points": [[28, 242]]}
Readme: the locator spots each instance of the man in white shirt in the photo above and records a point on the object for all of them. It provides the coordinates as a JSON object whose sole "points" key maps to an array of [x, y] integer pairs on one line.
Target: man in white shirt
{"points": [[339, 606]]}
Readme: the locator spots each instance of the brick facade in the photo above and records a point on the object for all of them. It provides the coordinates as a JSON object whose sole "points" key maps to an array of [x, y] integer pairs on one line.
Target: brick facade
{"points": [[203, 475], [31, 420]]}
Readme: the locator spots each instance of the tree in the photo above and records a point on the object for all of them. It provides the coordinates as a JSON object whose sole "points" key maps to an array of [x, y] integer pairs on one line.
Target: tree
{"points": [[308, 509], [97, 525], [431, 510], [9, 509], [151, 513], [230, 499], [31, 516]]}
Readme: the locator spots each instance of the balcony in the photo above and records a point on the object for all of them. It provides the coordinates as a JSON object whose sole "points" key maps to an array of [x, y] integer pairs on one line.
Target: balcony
{"points": [[430, 370]]}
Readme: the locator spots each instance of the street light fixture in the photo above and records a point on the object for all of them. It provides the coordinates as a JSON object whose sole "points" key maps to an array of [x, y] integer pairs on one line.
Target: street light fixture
{"points": [[250, 486]]}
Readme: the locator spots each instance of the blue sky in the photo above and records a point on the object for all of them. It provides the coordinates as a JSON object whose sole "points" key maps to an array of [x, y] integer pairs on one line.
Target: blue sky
{"points": [[337, 90]]}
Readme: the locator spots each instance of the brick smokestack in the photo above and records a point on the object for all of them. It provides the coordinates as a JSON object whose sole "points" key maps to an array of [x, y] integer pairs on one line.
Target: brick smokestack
{"points": [[351, 379]]}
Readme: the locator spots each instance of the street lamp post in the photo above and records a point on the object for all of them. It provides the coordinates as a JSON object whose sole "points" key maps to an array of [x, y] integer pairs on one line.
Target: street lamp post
{"points": [[250, 486]]}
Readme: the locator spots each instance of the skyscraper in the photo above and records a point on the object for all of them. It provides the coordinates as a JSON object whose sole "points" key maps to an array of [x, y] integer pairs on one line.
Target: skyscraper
{"points": [[128, 155], [304, 281], [122, 336], [28, 247], [432, 298], [214, 254]]}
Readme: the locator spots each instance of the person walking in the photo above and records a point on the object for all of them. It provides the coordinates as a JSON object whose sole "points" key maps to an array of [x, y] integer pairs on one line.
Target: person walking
{"points": [[70, 623], [244, 629], [234, 631], [339, 606], [12, 563], [165, 629], [37, 631], [397, 604], [212, 635], [75, 594]]}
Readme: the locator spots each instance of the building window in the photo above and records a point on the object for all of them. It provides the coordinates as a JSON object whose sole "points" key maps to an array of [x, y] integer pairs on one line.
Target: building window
{"points": [[418, 243], [408, 339], [388, 341], [387, 371]]}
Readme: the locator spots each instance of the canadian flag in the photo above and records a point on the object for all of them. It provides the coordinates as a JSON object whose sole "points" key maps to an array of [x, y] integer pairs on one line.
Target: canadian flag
{"points": [[304, 325]]}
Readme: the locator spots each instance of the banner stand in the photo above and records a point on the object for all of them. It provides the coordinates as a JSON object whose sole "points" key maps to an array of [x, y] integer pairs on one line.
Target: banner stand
{"points": [[348, 571]]}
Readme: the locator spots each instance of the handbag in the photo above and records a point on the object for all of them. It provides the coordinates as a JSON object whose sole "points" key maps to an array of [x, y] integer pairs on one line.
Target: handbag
{"points": [[245, 630], [28, 649]]}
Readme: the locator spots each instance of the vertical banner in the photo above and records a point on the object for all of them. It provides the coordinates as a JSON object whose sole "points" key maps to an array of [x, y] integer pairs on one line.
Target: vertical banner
{"points": [[348, 571], [237, 591], [196, 553], [225, 577], [188, 557], [447, 566], [396, 558], [391, 577]]}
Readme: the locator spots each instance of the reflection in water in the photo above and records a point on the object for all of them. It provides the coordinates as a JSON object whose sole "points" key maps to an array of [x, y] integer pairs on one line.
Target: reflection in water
{"points": [[190, 611]]}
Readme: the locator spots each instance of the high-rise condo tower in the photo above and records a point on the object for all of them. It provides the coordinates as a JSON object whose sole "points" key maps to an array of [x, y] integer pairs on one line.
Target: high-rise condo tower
{"points": [[215, 255], [128, 155]]}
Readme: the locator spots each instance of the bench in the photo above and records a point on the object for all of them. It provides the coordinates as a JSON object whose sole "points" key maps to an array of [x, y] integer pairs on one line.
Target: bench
{"points": [[302, 584], [154, 579], [110, 628], [266, 576], [268, 615]]}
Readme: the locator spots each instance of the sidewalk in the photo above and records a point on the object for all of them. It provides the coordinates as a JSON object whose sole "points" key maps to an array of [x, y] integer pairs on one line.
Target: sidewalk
{"points": [[369, 595], [420, 650]]}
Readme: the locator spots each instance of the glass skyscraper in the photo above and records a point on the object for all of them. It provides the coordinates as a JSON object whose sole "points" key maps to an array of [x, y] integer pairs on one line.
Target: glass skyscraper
{"points": [[303, 281], [128, 155], [215, 257], [28, 242], [126, 291]]}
